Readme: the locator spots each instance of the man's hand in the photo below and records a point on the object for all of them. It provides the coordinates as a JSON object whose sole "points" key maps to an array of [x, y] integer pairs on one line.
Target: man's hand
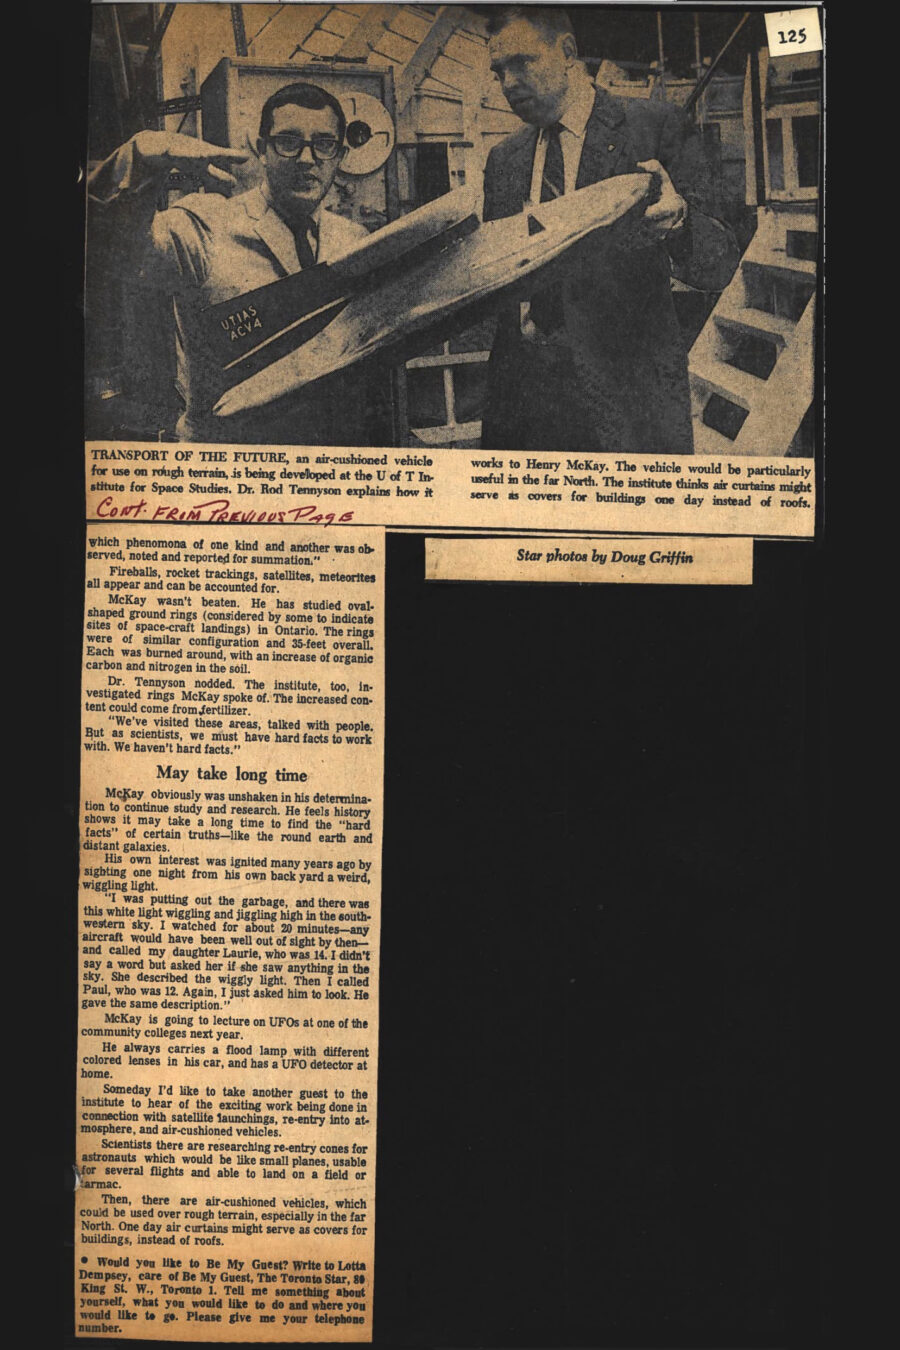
{"points": [[668, 212], [158, 152]]}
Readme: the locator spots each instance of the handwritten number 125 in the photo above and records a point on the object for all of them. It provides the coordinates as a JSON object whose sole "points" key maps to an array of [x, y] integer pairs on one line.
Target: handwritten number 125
{"points": [[793, 35]]}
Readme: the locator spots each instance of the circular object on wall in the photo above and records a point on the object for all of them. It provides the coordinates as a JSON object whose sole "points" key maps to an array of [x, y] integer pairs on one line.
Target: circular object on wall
{"points": [[370, 134]]}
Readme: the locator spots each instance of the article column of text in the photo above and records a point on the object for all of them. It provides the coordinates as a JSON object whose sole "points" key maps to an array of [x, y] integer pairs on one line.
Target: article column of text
{"points": [[230, 882]]}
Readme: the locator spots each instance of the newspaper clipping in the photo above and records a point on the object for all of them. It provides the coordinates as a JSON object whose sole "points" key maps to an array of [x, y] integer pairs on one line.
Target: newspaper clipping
{"points": [[540, 275]]}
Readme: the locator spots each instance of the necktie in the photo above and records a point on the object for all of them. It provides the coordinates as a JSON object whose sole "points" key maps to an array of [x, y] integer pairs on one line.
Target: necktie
{"points": [[306, 239], [546, 305], [553, 183]]}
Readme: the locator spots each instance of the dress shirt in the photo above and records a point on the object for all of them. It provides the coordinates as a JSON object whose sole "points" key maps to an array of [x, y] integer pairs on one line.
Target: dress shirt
{"points": [[573, 120]]}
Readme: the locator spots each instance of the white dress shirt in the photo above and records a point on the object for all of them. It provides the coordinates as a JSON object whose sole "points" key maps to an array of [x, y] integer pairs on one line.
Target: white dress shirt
{"points": [[576, 111], [573, 119]]}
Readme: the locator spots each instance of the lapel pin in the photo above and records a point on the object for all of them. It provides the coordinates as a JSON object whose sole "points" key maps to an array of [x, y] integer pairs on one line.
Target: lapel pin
{"points": [[610, 147]]}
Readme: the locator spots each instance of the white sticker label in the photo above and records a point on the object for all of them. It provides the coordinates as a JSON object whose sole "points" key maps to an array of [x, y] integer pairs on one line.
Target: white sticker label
{"points": [[791, 31]]}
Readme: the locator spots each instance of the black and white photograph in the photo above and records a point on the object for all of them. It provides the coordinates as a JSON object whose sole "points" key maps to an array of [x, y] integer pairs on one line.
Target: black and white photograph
{"points": [[443, 849], [497, 227]]}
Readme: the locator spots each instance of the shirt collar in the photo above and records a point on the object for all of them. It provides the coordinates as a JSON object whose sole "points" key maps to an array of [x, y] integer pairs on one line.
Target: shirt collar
{"points": [[314, 216], [578, 104]]}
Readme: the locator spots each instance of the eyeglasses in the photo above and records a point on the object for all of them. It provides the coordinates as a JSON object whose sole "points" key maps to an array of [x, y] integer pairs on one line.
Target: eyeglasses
{"points": [[288, 146]]}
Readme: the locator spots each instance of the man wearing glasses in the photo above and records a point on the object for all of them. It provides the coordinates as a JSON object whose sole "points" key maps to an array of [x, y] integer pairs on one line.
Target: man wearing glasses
{"points": [[209, 248]]}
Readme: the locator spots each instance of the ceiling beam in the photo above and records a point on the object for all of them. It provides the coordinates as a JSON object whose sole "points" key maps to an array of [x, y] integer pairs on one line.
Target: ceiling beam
{"points": [[305, 19], [447, 20], [359, 43]]}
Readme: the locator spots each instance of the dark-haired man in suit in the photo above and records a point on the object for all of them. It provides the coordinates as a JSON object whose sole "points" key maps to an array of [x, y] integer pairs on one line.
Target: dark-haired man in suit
{"points": [[212, 247], [596, 362]]}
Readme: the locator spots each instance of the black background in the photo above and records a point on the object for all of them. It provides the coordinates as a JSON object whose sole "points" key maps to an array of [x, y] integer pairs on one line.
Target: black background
{"points": [[602, 1067]]}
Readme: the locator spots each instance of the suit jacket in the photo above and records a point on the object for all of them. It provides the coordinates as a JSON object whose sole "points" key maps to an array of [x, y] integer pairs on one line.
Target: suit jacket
{"points": [[203, 250], [614, 377]]}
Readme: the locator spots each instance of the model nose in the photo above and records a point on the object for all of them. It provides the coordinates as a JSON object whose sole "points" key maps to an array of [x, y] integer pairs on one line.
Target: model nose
{"points": [[306, 155]]}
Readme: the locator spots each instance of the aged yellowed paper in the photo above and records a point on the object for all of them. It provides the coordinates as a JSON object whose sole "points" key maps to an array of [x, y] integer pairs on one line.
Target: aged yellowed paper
{"points": [[230, 888], [547, 278], [648, 561], [456, 489]]}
